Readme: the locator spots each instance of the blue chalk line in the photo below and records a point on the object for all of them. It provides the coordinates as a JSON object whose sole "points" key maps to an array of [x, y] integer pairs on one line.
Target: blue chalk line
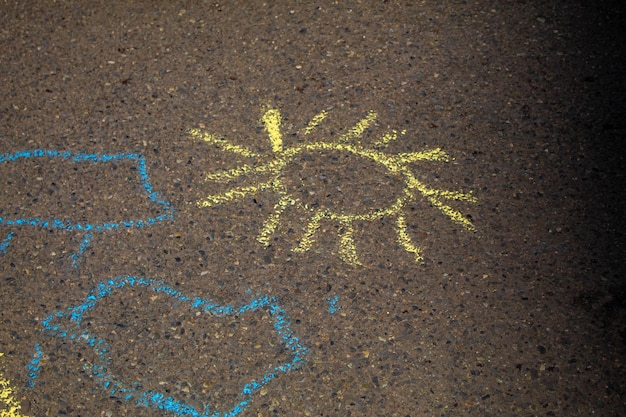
{"points": [[34, 367], [94, 158], [4, 245], [89, 228], [83, 247], [154, 399]]}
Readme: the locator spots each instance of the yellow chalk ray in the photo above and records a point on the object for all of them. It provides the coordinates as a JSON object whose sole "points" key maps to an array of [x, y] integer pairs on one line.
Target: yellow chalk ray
{"points": [[272, 120], [433, 155], [230, 174], [222, 143], [454, 215], [404, 240], [347, 248], [272, 168], [271, 224], [234, 194], [358, 129], [315, 121], [306, 242], [9, 406]]}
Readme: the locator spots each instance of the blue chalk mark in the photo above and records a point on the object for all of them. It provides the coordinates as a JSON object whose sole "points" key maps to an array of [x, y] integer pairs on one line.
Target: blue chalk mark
{"points": [[4, 245], [152, 399], [332, 304], [34, 367], [83, 247], [89, 228]]}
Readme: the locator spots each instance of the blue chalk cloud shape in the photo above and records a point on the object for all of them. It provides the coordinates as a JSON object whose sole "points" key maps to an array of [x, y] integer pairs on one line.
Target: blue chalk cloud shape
{"points": [[153, 399], [88, 229]]}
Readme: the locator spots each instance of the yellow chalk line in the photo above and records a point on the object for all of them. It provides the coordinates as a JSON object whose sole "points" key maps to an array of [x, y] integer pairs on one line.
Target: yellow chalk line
{"points": [[454, 215], [222, 143], [315, 121], [347, 247], [234, 194], [437, 155], [272, 120], [358, 129], [404, 240], [271, 224], [306, 242], [230, 174]]}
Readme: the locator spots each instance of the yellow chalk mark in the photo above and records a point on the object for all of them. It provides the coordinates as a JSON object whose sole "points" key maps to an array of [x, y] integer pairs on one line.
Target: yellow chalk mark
{"points": [[234, 194], [358, 129], [272, 120], [399, 165], [315, 122], [9, 406], [405, 241], [230, 174], [312, 227], [347, 248], [432, 155], [271, 167], [454, 215], [387, 138], [222, 143], [271, 224]]}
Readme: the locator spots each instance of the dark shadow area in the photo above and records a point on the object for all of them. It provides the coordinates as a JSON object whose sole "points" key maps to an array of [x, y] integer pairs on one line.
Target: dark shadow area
{"points": [[602, 84]]}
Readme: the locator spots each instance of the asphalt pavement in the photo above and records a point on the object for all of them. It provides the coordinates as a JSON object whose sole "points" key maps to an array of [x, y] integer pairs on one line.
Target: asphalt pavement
{"points": [[298, 208]]}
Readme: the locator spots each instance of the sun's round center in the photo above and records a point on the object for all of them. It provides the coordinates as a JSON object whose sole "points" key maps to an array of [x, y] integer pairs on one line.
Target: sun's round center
{"points": [[341, 181]]}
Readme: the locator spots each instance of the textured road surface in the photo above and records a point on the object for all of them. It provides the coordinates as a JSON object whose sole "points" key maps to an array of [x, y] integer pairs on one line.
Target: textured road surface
{"points": [[359, 208]]}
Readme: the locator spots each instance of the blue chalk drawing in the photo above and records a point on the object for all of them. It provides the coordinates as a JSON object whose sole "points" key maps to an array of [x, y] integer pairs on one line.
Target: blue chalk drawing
{"points": [[333, 306], [34, 367], [151, 399], [4, 245], [89, 228], [82, 248]]}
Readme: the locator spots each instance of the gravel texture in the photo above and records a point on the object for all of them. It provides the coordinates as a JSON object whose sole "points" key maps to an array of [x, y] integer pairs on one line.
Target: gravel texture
{"points": [[359, 208]]}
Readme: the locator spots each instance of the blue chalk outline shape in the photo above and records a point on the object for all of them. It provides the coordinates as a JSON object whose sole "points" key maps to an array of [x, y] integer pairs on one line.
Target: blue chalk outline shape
{"points": [[153, 399], [89, 228]]}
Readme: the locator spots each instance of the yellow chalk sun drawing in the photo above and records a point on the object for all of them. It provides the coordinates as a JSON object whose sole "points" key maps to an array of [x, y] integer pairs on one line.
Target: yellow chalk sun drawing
{"points": [[275, 168]]}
